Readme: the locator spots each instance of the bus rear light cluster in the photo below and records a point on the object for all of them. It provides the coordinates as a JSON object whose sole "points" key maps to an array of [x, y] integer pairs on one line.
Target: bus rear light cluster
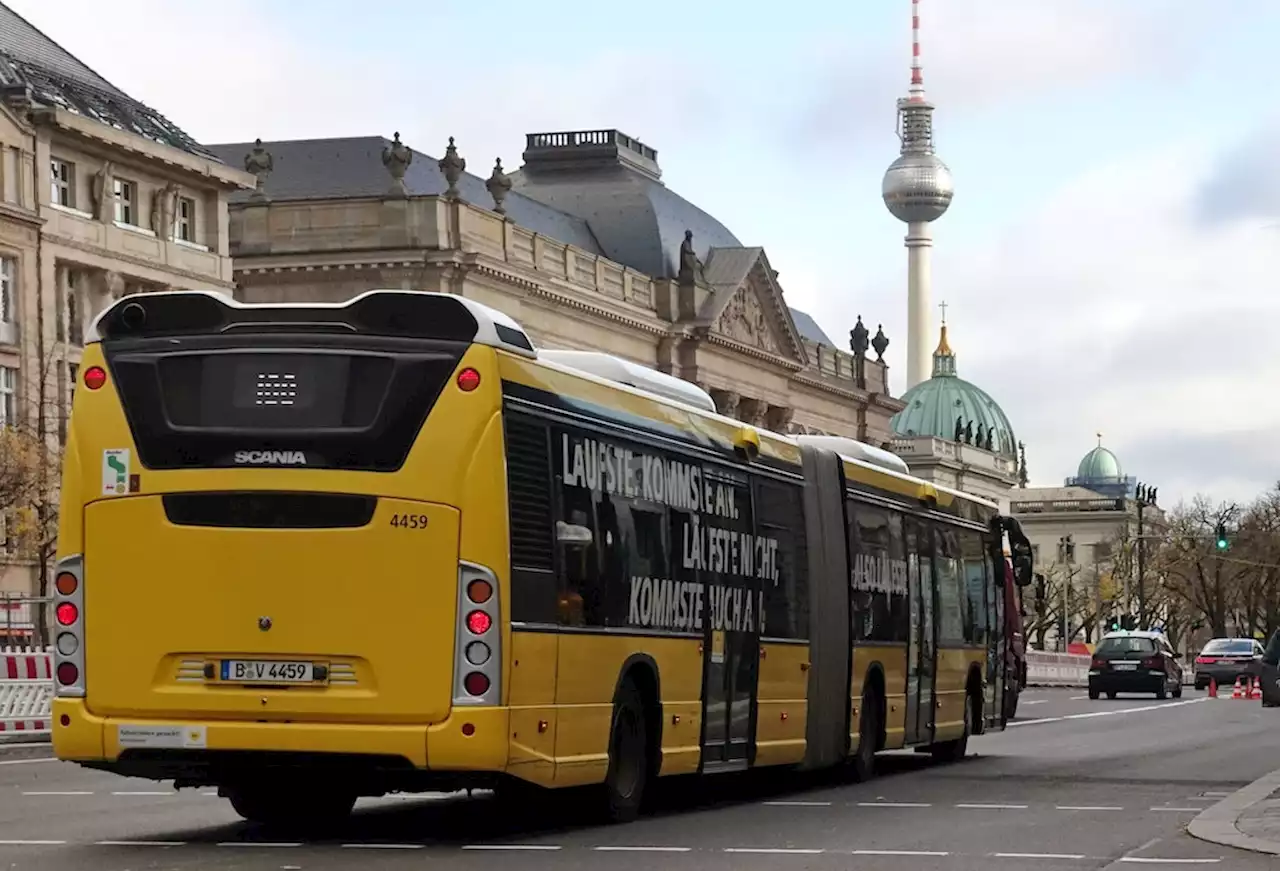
{"points": [[477, 665], [68, 614]]}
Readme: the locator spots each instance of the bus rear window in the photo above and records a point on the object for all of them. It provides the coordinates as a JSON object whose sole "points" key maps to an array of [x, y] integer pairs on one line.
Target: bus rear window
{"points": [[346, 402], [1125, 646]]}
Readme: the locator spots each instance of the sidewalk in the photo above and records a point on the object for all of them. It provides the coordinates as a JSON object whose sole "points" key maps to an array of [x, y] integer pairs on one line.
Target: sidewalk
{"points": [[1248, 819]]}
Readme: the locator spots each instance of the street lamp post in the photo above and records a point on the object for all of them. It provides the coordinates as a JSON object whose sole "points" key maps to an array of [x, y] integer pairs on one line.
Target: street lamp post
{"points": [[1144, 496]]}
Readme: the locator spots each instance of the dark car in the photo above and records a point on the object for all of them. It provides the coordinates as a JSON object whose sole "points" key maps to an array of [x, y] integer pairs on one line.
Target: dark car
{"points": [[1225, 659], [1135, 662]]}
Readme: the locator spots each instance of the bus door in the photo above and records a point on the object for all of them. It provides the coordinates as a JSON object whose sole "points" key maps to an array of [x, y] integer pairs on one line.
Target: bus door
{"points": [[731, 669], [998, 641], [921, 645]]}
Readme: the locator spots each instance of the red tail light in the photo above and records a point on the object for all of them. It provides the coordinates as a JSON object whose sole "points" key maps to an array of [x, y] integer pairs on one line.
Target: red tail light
{"points": [[1203, 660], [1153, 662], [478, 622], [67, 673], [67, 613], [1098, 662], [94, 377], [476, 683], [468, 380]]}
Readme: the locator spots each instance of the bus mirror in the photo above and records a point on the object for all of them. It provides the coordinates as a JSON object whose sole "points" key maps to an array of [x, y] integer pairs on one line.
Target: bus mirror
{"points": [[573, 535], [1023, 569]]}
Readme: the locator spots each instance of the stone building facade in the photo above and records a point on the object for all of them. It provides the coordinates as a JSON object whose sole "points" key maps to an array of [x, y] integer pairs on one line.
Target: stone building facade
{"points": [[99, 196], [584, 246]]}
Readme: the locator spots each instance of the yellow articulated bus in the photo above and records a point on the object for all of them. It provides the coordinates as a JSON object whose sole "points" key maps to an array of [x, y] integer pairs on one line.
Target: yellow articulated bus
{"points": [[315, 552]]}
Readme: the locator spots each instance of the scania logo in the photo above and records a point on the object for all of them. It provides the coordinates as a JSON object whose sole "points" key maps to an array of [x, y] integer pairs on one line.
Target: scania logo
{"points": [[271, 458]]}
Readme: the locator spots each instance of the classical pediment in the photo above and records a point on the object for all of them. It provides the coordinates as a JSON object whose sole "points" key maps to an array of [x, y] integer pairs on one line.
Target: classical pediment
{"points": [[746, 304]]}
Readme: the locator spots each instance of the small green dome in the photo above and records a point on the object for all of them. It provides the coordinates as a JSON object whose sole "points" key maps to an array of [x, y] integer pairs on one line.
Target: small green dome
{"points": [[1099, 464], [933, 406]]}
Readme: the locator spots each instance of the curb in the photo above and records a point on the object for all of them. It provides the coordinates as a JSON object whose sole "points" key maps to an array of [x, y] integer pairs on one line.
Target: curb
{"points": [[1217, 824]]}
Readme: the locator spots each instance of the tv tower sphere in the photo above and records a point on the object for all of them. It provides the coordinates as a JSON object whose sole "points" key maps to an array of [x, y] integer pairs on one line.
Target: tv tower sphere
{"points": [[917, 187]]}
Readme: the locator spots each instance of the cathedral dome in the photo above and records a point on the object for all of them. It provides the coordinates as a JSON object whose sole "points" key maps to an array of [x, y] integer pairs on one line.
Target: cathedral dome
{"points": [[1100, 464], [934, 406]]}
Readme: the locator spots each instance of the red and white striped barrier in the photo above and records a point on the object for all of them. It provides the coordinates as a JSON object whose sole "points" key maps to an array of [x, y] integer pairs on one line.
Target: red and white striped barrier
{"points": [[1057, 669], [26, 693]]}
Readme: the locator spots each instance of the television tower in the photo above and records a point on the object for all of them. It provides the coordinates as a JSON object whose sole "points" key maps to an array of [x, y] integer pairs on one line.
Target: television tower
{"points": [[917, 189]]}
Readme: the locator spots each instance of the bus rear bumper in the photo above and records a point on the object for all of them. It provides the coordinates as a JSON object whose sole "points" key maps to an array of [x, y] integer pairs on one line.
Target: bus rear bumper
{"points": [[127, 745]]}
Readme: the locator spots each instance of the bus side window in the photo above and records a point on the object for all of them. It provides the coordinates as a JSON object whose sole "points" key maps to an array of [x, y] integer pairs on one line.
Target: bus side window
{"points": [[977, 583], [780, 516], [952, 599], [877, 556]]}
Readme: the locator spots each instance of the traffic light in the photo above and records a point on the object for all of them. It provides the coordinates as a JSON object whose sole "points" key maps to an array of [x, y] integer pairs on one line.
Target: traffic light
{"points": [[1221, 535]]}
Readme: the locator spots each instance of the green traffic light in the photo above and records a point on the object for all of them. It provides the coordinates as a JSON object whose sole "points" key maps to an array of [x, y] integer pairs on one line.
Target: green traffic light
{"points": [[1222, 544]]}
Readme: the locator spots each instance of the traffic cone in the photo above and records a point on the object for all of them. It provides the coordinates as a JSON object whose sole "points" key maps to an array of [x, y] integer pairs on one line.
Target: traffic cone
{"points": [[1213, 687], [1237, 691], [1255, 690]]}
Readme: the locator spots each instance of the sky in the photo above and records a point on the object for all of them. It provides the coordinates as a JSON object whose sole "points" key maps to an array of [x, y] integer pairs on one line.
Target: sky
{"points": [[1110, 259]]}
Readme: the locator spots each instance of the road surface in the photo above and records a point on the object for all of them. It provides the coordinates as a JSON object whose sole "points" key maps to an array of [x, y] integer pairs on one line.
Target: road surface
{"points": [[1074, 785]]}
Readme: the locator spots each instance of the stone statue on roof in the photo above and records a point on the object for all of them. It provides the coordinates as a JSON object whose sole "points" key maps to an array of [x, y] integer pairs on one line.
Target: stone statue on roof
{"points": [[396, 158], [690, 268]]}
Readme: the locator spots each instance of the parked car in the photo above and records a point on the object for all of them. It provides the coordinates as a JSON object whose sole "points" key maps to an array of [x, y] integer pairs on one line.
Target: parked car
{"points": [[1226, 659], [1131, 661], [1269, 672]]}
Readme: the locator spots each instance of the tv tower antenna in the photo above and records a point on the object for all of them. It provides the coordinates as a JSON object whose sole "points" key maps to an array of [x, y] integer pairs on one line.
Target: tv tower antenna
{"points": [[917, 190]]}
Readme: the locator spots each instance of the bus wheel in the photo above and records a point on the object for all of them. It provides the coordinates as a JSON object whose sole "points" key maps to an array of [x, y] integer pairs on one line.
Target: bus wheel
{"points": [[312, 808], [953, 751], [864, 761], [628, 756]]}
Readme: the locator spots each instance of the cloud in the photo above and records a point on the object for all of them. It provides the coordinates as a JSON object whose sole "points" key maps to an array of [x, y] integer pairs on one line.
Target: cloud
{"points": [[1114, 309], [980, 55], [1245, 182]]}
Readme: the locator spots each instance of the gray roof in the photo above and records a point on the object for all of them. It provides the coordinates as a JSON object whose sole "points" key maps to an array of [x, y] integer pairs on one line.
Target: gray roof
{"points": [[305, 169], [29, 59], [809, 328]]}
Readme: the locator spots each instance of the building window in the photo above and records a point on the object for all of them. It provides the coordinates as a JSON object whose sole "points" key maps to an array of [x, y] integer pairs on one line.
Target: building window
{"points": [[62, 181], [8, 288], [185, 220], [8, 396], [9, 175], [126, 202], [75, 321]]}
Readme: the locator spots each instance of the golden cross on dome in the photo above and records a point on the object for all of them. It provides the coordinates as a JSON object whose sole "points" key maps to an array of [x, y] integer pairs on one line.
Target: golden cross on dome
{"points": [[943, 305]]}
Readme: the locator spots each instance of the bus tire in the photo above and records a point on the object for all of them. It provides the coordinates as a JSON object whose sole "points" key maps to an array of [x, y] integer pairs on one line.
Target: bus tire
{"points": [[629, 763], [864, 760], [311, 808]]}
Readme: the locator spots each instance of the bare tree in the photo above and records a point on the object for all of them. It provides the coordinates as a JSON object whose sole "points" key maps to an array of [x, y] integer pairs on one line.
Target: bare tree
{"points": [[1195, 570], [39, 434]]}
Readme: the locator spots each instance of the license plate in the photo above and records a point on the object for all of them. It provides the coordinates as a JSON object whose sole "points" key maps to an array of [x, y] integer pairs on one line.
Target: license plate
{"points": [[271, 671], [1126, 666]]}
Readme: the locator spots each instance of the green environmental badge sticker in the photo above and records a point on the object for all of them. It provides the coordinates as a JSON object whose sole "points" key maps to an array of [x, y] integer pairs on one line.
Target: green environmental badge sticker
{"points": [[115, 472]]}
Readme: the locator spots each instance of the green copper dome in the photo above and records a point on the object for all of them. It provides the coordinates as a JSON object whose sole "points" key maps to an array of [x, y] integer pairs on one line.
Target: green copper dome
{"points": [[1099, 464], [934, 406]]}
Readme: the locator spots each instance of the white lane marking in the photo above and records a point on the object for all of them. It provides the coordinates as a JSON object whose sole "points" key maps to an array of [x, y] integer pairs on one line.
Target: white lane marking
{"points": [[1078, 698], [139, 843], [1036, 702], [899, 853], [894, 804], [774, 850], [1039, 855], [57, 792], [143, 792], [259, 844], [1220, 794], [1089, 807], [212, 794], [546, 847], [1179, 810], [31, 843], [382, 846], [1110, 713], [994, 807], [798, 803], [1156, 860], [27, 761], [621, 849]]}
